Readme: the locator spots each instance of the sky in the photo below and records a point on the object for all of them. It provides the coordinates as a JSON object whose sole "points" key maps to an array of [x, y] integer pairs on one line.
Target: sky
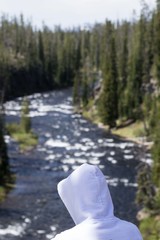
{"points": [[70, 13]]}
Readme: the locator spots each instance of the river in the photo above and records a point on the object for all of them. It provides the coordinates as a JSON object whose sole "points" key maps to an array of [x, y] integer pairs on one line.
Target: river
{"points": [[33, 209]]}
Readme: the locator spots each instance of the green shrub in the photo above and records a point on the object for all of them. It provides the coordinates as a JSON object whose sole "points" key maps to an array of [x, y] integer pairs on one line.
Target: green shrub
{"points": [[26, 140], [150, 228]]}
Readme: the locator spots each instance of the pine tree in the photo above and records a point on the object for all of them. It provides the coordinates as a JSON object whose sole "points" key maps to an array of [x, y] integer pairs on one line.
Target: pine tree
{"points": [[94, 46], [158, 5], [85, 92], [77, 54], [156, 157], [25, 119], [157, 42], [42, 62], [135, 72], [156, 149], [123, 70], [108, 106], [146, 192], [76, 89], [4, 163]]}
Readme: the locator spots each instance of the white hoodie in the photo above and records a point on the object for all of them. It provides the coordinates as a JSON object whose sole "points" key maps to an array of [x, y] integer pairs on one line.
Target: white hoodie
{"points": [[87, 198]]}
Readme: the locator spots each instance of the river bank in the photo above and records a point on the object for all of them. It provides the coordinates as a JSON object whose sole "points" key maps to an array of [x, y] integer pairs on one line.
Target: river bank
{"points": [[129, 130]]}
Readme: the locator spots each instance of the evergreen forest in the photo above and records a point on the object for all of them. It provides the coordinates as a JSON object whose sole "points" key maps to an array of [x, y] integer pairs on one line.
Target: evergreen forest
{"points": [[114, 66]]}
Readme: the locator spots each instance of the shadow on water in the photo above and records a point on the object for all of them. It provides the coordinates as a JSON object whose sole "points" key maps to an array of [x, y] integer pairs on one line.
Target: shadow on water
{"points": [[33, 209]]}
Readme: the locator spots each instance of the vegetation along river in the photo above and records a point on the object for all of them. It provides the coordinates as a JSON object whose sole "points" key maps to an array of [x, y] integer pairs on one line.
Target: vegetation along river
{"points": [[33, 209]]}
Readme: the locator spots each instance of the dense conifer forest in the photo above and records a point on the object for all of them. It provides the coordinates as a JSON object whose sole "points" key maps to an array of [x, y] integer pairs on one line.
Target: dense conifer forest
{"points": [[120, 61]]}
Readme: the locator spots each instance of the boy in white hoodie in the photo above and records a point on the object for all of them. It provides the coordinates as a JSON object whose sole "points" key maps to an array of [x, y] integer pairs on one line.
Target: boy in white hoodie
{"points": [[87, 198]]}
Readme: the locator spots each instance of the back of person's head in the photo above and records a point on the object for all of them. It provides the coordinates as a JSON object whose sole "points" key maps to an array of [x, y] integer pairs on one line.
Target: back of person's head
{"points": [[87, 198]]}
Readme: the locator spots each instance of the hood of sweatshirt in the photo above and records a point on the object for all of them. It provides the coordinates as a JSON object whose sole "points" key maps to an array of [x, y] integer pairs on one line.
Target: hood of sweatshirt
{"points": [[86, 195]]}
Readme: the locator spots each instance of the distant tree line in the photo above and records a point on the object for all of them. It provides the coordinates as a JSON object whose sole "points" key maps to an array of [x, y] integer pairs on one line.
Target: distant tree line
{"points": [[121, 59], [128, 55], [34, 60]]}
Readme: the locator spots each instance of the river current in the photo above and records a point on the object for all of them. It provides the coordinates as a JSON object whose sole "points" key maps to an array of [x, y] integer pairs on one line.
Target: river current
{"points": [[33, 209]]}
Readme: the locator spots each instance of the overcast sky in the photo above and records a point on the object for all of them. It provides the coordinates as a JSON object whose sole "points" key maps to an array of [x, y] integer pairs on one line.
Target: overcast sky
{"points": [[69, 13]]}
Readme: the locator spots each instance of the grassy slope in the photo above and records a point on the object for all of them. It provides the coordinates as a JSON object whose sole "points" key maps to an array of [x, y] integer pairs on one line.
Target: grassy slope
{"points": [[133, 131]]}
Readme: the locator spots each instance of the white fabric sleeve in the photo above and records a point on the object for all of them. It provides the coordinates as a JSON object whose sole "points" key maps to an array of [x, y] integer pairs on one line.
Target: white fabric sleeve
{"points": [[57, 237]]}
